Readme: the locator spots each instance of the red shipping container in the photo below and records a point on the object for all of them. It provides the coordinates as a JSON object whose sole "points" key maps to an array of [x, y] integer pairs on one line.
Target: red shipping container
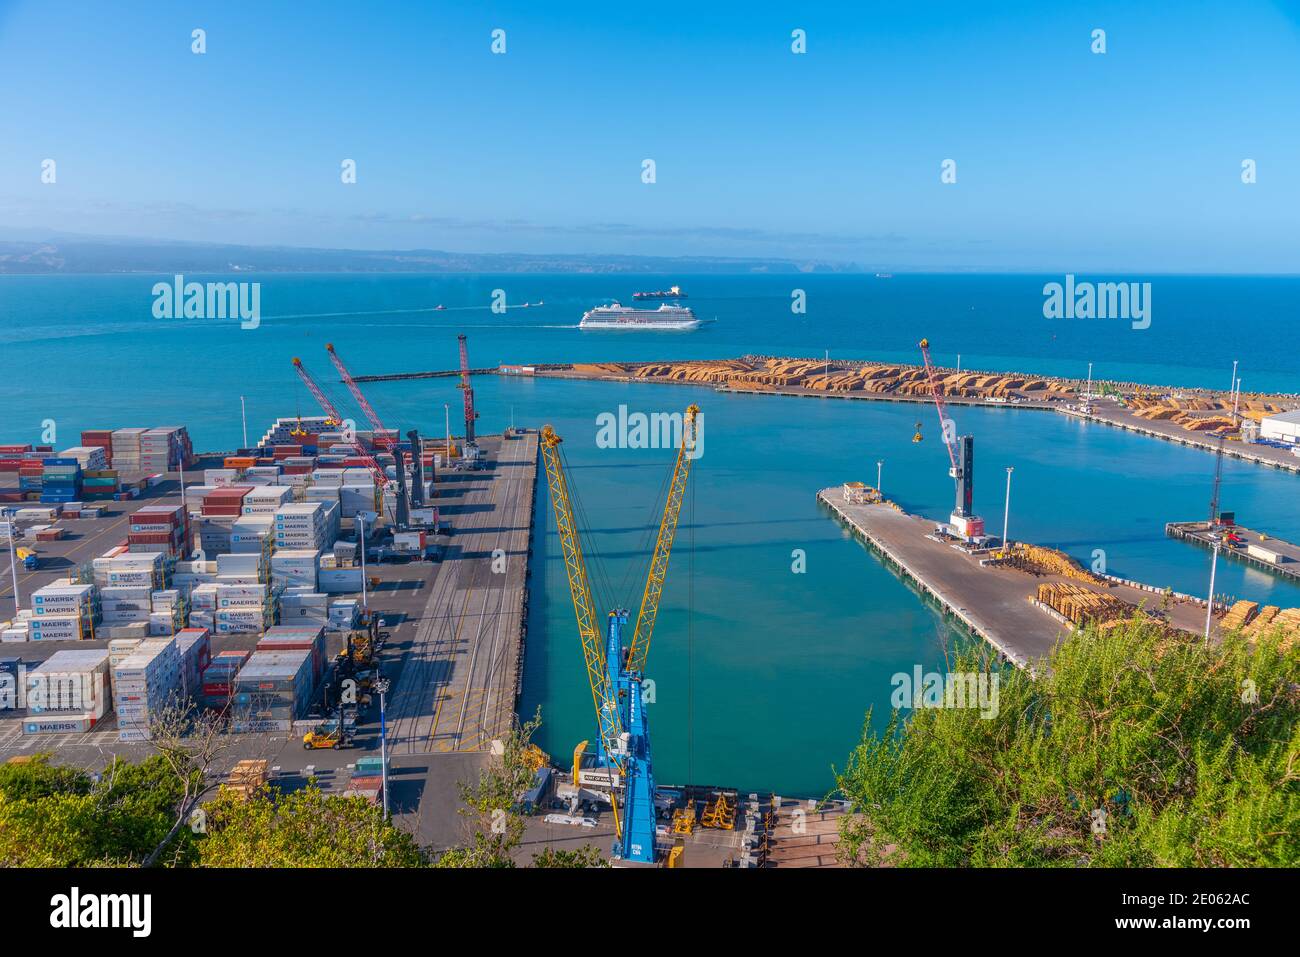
{"points": [[150, 538], [230, 493], [166, 517]]}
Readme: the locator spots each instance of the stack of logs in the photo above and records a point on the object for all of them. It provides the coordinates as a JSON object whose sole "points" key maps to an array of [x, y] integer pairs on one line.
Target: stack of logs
{"points": [[1082, 605]]}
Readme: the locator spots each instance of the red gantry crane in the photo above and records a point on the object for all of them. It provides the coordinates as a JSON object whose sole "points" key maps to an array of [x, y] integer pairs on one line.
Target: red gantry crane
{"points": [[961, 454], [468, 390], [470, 458], [332, 415]]}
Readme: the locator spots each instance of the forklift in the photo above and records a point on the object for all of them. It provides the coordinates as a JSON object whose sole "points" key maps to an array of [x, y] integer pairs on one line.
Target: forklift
{"points": [[331, 734]]}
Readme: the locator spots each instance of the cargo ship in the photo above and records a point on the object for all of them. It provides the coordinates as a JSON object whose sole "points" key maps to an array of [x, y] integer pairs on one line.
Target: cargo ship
{"points": [[616, 316], [672, 292]]}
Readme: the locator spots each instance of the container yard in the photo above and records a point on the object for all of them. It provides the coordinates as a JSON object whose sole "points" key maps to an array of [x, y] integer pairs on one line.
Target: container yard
{"points": [[255, 589], [241, 592]]}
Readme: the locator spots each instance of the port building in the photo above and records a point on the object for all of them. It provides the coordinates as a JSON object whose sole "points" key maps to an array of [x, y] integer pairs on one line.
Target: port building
{"points": [[1282, 427]]}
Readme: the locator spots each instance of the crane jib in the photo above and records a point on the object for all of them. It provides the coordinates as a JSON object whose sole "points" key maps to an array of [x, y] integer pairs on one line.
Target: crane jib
{"points": [[615, 671]]}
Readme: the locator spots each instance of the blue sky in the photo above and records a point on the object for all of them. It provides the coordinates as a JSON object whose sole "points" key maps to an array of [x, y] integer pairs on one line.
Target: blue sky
{"points": [[1066, 160]]}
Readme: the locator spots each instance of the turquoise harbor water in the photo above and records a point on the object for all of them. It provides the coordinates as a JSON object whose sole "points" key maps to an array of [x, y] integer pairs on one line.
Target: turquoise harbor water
{"points": [[762, 675]]}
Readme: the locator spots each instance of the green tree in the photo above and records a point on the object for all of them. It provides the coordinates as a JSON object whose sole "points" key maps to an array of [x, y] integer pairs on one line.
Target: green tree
{"points": [[37, 778], [586, 856], [52, 816], [303, 829], [1133, 749]]}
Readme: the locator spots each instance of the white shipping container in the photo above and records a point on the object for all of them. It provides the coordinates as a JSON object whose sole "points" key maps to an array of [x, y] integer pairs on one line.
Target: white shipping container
{"points": [[334, 580], [128, 562], [267, 499], [130, 578], [111, 593], [229, 596], [56, 629], [240, 565]]}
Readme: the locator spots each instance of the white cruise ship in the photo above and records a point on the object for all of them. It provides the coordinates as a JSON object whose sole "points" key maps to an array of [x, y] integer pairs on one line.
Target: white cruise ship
{"points": [[615, 316]]}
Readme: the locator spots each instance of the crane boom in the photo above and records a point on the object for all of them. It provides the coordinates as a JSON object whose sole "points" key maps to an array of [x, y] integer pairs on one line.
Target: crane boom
{"points": [[949, 439], [608, 714], [381, 434], [332, 414], [961, 457], [654, 586], [1218, 479]]}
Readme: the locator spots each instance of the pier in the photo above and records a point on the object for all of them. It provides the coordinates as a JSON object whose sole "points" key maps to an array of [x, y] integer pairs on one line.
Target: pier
{"points": [[993, 602], [434, 374], [1122, 418], [992, 605], [464, 636], [1274, 555]]}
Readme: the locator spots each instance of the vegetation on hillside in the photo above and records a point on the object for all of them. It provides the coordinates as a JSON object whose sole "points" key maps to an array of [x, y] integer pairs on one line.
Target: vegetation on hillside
{"points": [[1135, 749], [169, 811]]}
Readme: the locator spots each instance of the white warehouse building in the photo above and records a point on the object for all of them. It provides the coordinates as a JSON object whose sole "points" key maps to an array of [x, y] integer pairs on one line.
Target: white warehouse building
{"points": [[1283, 427]]}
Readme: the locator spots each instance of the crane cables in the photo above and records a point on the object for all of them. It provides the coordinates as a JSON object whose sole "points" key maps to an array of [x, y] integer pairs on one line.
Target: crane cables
{"points": [[649, 535], [690, 639], [597, 576]]}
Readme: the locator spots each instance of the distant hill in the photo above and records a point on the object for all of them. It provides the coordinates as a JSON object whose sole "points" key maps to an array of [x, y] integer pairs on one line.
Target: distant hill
{"points": [[72, 254]]}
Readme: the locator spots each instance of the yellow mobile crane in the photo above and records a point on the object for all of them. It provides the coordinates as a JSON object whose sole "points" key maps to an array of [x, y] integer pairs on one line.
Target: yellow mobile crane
{"points": [[614, 671]]}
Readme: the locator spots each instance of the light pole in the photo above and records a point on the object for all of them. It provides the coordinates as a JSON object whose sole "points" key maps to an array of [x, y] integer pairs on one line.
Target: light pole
{"points": [[1234, 372], [879, 465], [361, 529], [446, 411], [1006, 509], [1209, 606], [10, 514], [381, 685], [243, 414]]}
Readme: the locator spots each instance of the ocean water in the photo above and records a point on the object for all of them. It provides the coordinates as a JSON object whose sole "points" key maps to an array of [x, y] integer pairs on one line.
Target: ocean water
{"points": [[762, 675]]}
